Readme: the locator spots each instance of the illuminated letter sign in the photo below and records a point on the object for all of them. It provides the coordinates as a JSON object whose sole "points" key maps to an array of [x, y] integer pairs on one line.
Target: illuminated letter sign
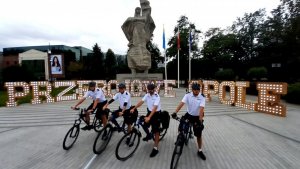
{"points": [[269, 98], [37, 92], [13, 94]]}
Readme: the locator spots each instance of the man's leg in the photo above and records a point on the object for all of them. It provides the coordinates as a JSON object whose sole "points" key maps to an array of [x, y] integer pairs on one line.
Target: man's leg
{"points": [[155, 148], [114, 116], [199, 141], [87, 120], [145, 127], [104, 119]]}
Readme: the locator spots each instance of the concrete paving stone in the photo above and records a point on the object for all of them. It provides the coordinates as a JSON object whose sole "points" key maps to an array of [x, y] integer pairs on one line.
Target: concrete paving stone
{"points": [[31, 137]]}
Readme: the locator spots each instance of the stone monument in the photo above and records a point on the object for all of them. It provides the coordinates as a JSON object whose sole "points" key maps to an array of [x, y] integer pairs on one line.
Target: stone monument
{"points": [[138, 31]]}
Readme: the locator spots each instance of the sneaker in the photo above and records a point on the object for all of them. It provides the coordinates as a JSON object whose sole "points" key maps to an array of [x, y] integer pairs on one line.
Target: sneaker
{"points": [[201, 155], [148, 137], [154, 152], [85, 127], [91, 127]]}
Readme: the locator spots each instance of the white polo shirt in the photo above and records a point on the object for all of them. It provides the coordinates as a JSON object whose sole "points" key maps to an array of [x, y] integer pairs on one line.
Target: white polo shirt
{"points": [[152, 101], [96, 94], [193, 103], [125, 97]]}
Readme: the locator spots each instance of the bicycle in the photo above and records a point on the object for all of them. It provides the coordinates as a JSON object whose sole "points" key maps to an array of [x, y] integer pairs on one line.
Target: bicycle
{"points": [[105, 135], [73, 132], [125, 147], [185, 133]]}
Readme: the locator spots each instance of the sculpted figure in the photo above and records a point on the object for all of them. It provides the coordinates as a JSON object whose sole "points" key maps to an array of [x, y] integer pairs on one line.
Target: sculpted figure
{"points": [[138, 31]]}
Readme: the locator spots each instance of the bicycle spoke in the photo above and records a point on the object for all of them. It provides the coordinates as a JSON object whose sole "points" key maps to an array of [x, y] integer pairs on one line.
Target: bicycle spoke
{"points": [[102, 140], [127, 145], [71, 137]]}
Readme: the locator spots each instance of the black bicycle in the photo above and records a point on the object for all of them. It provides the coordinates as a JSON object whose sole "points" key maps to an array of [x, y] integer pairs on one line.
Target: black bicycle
{"points": [[105, 135], [73, 132], [185, 133], [129, 143]]}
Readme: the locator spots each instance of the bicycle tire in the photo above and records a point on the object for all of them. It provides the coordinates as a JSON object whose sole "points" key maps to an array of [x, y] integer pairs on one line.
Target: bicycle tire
{"points": [[134, 142], [97, 123], [177, 152], [162, 133], [71, 136], [187, 135], [102, 140]]}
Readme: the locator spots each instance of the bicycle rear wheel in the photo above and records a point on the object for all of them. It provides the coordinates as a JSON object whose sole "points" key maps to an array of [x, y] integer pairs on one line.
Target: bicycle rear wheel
{"points": [[128, 145], [102, 139], [97, 123], [162, 133], [177, 152], [71, 137]]}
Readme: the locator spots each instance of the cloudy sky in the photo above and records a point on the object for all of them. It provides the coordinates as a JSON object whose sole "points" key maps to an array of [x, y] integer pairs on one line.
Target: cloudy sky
{"points": [[84, 23]]}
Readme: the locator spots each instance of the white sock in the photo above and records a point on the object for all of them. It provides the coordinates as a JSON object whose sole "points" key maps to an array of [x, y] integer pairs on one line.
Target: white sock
{"points": [[200, 150], [155, 148]]}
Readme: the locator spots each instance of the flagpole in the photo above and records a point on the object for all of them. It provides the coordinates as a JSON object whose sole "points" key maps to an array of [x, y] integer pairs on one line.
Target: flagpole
{"points": [[178, 66], [178, 48], [190, 44], [165, 65]]}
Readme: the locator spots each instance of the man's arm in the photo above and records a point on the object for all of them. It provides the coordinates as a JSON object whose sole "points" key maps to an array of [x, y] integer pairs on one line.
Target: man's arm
{"points": [[201, 113], [153, 111], [95, 104], [137, 106], [108, 103], [79, 102], [177, 109]]}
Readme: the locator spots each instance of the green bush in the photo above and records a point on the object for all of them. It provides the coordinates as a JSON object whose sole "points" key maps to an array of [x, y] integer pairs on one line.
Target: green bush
{"points": [[226, 74], [3, 98], [257, 73], [293, 94]]}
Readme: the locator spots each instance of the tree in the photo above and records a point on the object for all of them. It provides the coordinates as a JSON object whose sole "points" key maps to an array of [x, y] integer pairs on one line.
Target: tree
{"points": [[75, 69], [155, 57], [184, 27], [110, 64], [93, 64]]}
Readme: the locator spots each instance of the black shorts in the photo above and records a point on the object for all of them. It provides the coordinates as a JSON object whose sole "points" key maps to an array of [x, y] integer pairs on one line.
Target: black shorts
{"points": [[197, 125], [154, 121], [129, 118], [99, 108]]}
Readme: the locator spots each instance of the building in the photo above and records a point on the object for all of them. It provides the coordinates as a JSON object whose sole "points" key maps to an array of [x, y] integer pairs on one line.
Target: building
{"points": [[1, 67], [37, 58]]}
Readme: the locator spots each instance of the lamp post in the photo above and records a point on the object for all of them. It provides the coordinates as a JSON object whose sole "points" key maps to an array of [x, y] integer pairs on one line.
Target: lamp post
{"points": [[49, 65]]}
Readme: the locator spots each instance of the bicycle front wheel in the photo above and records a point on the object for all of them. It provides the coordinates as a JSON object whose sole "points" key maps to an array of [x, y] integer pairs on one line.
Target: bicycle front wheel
{"points": [[71, 137], [177, 152], [102, 139], [128, 145]]}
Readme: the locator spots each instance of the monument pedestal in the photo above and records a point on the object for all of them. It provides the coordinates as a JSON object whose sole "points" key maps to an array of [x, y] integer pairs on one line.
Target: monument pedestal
{"points": [[140, 76]]}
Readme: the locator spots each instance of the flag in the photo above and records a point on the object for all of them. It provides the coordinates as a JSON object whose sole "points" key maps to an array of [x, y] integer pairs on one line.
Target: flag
{"points": [[190, 40], [164, 39], [178, 40]]}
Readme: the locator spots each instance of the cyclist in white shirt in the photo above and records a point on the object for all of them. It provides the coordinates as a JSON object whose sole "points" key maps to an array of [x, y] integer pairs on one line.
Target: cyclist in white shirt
{"points": [[124, 108], [152, 117], [99, 101], [195, 111]]}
